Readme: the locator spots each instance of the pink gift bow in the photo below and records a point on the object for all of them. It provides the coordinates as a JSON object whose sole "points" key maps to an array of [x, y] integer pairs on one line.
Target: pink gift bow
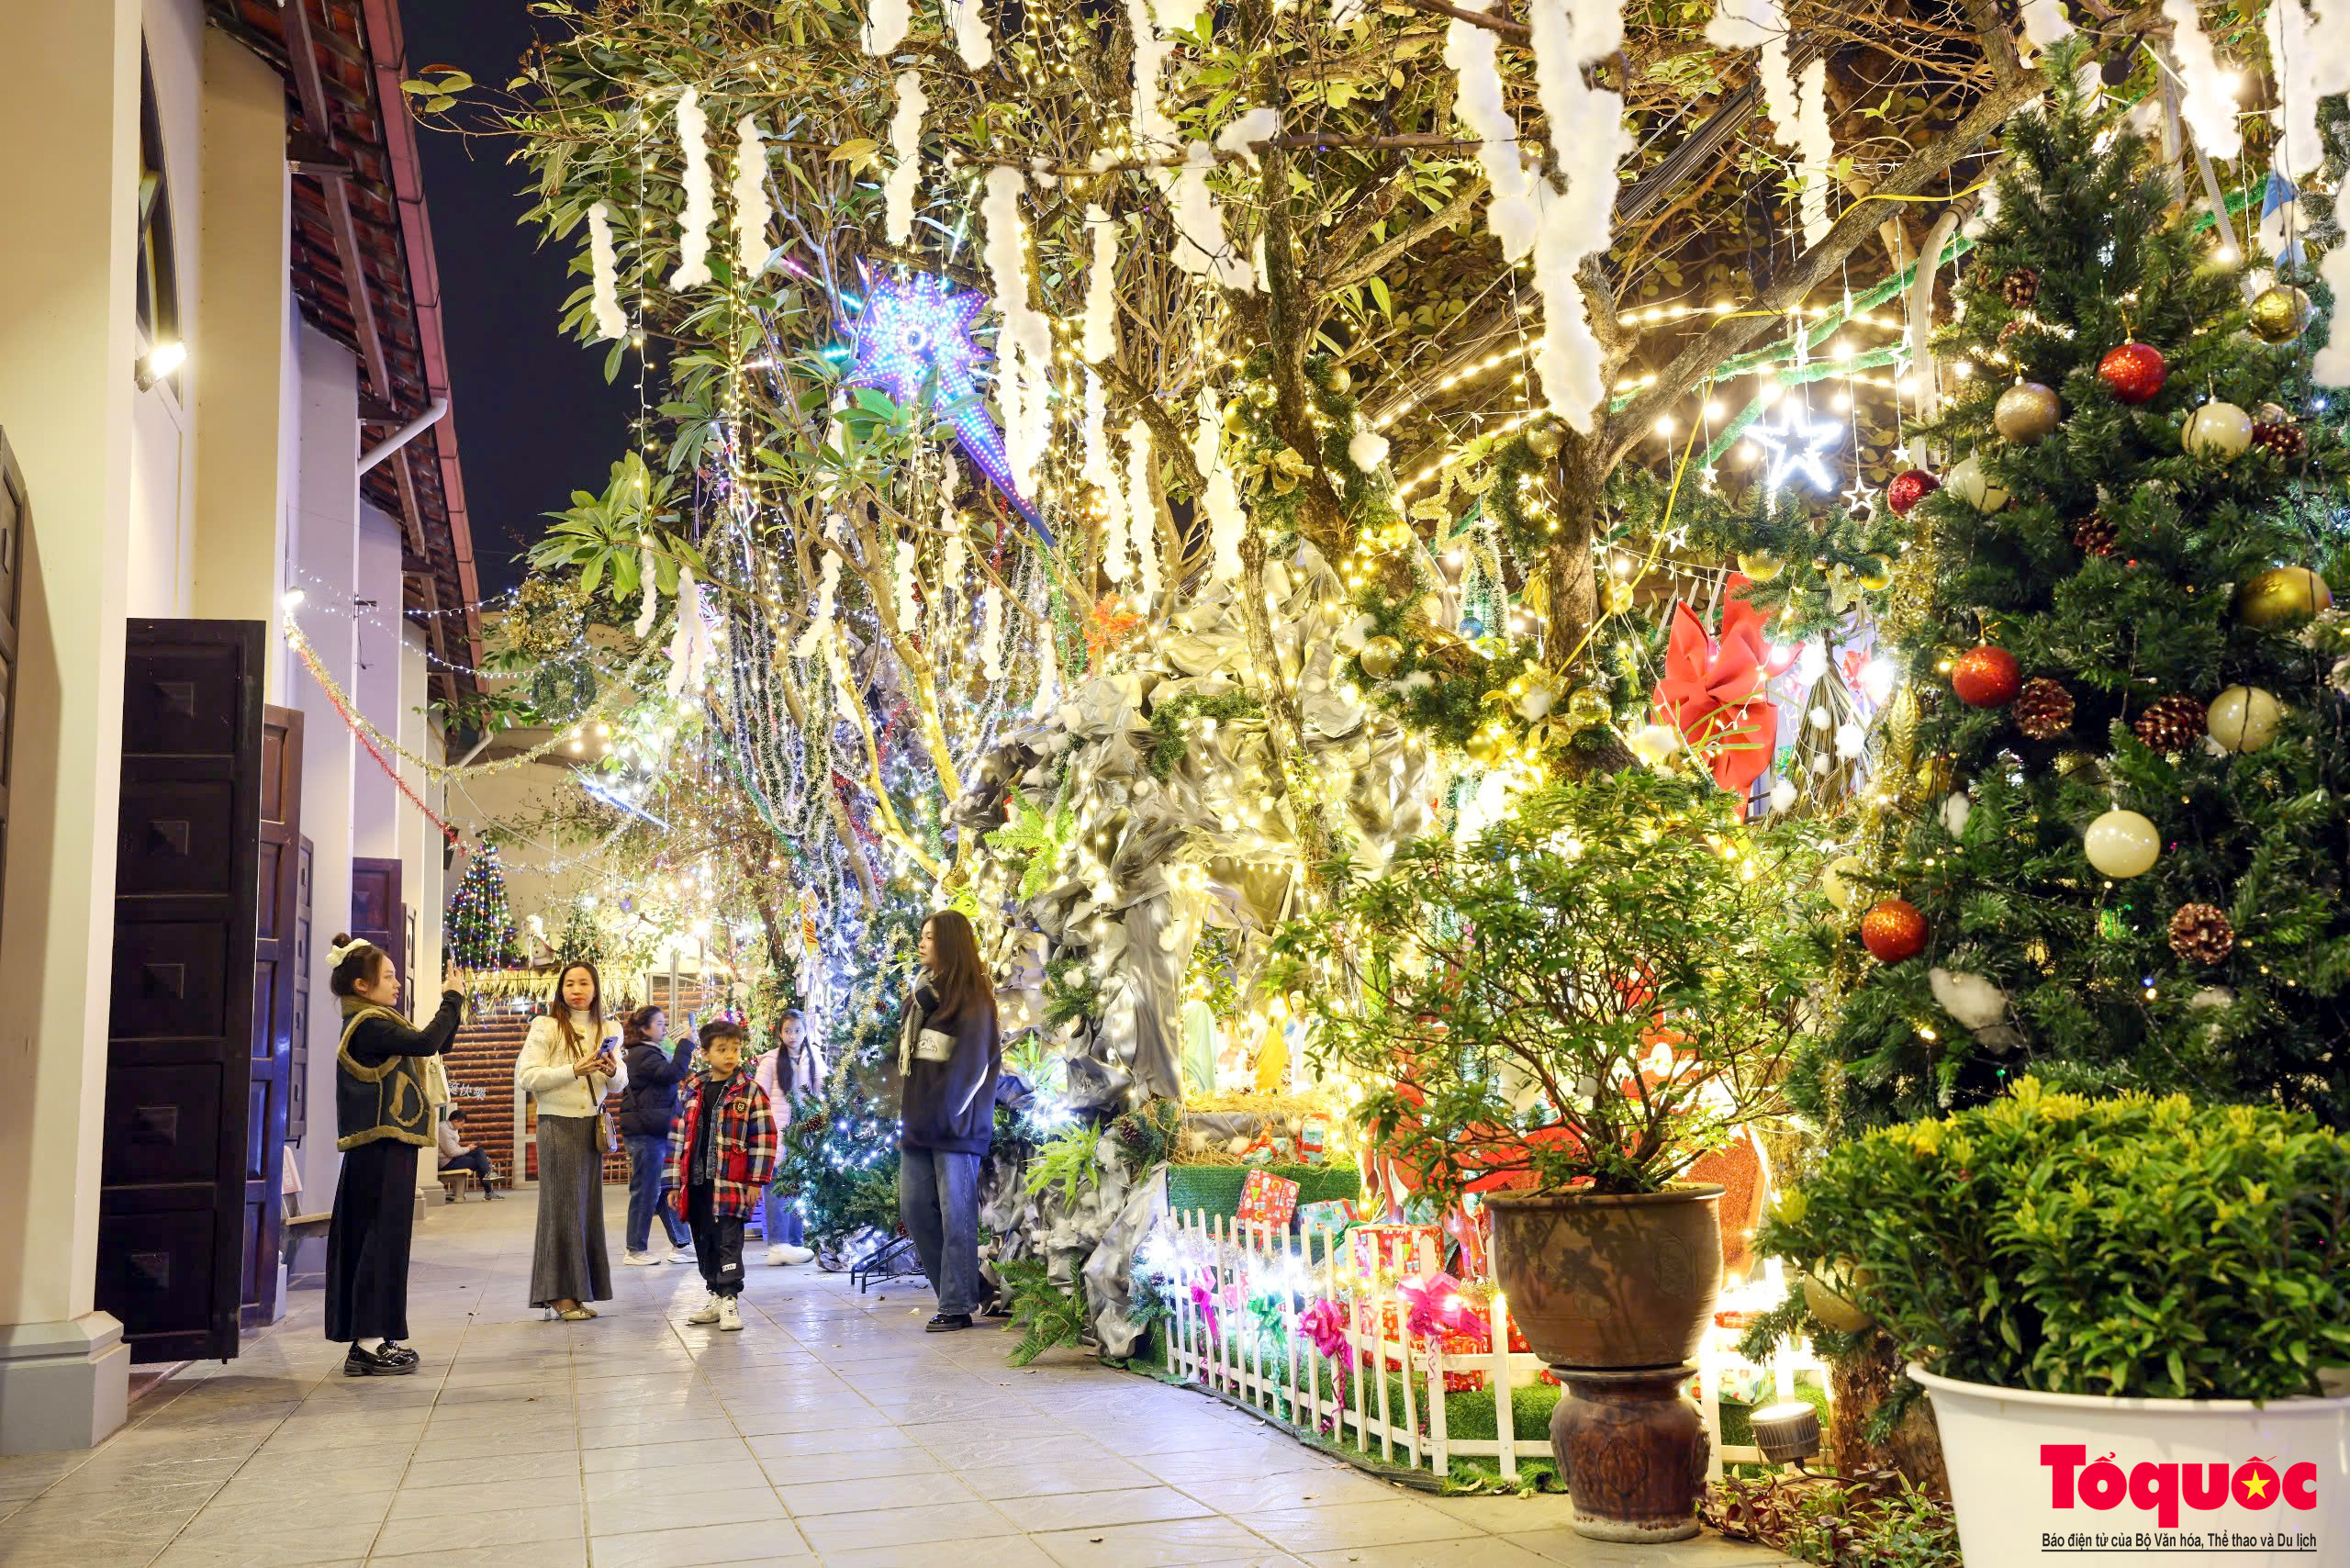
{"points": [[1324, 1322], [1437, 1306]]}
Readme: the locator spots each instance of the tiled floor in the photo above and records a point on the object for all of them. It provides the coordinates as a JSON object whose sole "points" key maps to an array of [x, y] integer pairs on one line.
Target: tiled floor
{"points": [[831, 1430]]}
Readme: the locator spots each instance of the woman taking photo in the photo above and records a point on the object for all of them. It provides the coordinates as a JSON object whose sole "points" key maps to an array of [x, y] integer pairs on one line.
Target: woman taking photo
{"points": [[381, 1117], [648, 1104], [567, 1063], [949, 1056]]}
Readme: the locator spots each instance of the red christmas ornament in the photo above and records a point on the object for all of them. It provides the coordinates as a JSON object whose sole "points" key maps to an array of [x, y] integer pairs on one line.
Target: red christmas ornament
{"points": [[2134, 371], [1909, 488], [1893, 931], [1987, 678]]}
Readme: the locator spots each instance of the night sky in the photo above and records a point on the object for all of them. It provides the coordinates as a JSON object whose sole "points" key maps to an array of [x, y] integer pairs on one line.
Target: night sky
{"points": [[535, 419]]}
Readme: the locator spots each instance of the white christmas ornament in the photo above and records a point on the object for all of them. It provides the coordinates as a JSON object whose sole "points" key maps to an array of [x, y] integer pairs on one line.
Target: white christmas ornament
{"points": [[1783, 796], [1967, 481], [897, 192], [2122, 845], [2243, 718], [1366, 448], [648, 575], [1837, 880], [752, 210], [701, 201], [2045, 23], [603, 265], [2217, 429], [1975, 1002], [1794, 444]]}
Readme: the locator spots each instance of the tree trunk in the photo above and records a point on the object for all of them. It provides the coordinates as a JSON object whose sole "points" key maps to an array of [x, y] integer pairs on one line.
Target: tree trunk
{"points": [[1861, 1384]]}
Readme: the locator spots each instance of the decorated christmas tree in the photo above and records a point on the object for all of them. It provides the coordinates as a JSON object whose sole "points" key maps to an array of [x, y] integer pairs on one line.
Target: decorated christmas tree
{"points": [[481, 932], [2115, 853]]}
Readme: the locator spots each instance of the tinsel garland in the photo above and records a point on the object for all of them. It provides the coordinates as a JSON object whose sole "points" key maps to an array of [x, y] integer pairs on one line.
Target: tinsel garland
{"points": [[366, 731]]}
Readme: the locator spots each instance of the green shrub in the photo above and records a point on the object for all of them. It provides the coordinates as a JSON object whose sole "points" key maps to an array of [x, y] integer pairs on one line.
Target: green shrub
{"points": [[2137, 1247]]}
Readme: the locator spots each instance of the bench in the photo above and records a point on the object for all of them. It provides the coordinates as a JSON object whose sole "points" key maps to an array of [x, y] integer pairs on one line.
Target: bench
{"points": [[453, 1182]]}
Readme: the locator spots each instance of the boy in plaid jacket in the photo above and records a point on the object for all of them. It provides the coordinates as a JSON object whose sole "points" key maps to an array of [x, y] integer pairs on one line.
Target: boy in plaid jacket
{"points": [[722, 1157]]}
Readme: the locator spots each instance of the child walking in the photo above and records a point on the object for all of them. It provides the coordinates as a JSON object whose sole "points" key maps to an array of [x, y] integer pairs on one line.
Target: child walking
{"points": [[721, 1156]]}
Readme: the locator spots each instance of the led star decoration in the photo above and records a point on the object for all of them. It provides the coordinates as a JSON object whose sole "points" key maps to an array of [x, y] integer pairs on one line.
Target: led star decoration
{"points": [[915, 335], [1794, 444]]}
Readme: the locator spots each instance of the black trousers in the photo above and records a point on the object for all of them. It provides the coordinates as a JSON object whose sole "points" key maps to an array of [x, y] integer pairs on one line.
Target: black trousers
{"points": [[367, 1243], [718, 1243]]}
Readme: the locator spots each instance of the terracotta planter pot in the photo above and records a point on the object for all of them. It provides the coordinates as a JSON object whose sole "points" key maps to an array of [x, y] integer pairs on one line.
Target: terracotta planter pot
{"points": [[1610, 1282]]}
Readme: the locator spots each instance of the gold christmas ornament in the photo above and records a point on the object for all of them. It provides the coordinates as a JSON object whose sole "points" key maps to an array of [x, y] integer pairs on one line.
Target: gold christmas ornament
{"points": [[1837, 880], [1486, 746], [1379, 657], [1759, 565], [2027, 413], [1877, 576], [2122, 845], [1589, 706], [1544, 442], [1340, 380], [2279, 312], [2282, 597], [1615, 596], [2243, 718], [2217, 429]]}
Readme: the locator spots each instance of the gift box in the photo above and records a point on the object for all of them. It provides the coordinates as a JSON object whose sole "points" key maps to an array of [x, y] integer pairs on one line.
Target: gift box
{"points": [[1268, 1200], [1313, 1140], [1393, 1249], [1462, 1348], [1331, 1216]]}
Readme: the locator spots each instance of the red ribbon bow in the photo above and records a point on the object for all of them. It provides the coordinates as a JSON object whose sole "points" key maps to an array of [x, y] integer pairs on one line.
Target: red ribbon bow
{"points": [[1712, 691]]}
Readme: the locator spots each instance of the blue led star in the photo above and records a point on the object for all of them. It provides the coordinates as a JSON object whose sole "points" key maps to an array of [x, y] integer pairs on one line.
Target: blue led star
{"points": [[916, 334], [1795, 444]]}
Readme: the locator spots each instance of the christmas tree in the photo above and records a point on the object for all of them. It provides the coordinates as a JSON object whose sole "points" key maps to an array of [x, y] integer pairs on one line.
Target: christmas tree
{"points": [[2115, 855], [481, 932]]}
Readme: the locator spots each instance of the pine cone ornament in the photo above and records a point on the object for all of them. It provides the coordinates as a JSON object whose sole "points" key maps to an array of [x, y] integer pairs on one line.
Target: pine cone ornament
{"points": [[2022, 288], [2096, 535], [2172, 723], [2044, 709], [2283, 440], [2200, 934]]}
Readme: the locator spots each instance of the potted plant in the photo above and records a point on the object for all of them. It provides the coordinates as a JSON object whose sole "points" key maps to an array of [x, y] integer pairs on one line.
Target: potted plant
{"points": [[2121, 1310], [1563, 1014]]}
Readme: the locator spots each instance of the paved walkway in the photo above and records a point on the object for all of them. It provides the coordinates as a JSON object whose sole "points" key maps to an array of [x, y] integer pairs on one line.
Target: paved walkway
{"points": [[830, 1430]]}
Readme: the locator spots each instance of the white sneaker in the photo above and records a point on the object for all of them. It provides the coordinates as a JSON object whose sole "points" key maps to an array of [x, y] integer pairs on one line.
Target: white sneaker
{"points": [[730, 1316], [706, 1313], [784, 1253], [677, 1255], [640, 1260]]}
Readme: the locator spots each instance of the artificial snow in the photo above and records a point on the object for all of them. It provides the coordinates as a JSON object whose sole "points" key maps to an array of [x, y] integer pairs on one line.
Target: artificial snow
{"points": [[972, 40], [1202, 247], [752, 212], [1100, 339], [701, 201], [905, 139], [603, 265], [885, 25], [2206, 106]]}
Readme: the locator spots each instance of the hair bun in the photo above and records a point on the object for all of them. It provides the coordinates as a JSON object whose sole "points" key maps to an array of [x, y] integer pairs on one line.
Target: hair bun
{"points": [[342, 939]]}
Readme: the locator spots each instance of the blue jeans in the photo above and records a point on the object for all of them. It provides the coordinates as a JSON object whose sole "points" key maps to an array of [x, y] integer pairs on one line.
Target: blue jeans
{"points": [[779, 1218], [647, 1155], [939, 1198]]}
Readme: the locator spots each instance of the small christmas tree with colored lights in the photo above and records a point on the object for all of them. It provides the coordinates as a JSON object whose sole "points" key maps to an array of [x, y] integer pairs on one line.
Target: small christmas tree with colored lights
{"points": [[481, 934], [2121, 760]]}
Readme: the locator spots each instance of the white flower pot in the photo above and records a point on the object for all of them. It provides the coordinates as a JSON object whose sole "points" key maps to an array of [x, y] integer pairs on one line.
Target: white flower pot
{"points": [[2092, 1482]]}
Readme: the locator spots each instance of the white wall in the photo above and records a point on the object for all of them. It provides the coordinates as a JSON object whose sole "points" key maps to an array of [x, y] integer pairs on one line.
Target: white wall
{"points": [[377, 633], [163, 467]]}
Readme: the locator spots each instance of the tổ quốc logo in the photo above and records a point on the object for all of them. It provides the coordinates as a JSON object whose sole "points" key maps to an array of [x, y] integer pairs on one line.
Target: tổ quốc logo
{"points": [[2178, 1502]]}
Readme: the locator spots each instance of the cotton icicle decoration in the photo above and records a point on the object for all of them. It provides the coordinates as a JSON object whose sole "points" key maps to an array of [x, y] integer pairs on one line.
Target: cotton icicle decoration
{"points": [[1243, 134], [952, 562], [1049, 669], [648, 574], [2330, 367], [1799, 111], [1199, 223], [2044, 22], [1100, 339], [701, 201], [972, 40], [1366, 448], [1101, 472], [908, 567], [1153, 130], [691, 648], [2312, 58], [905, 139], [1469, 50], [2206, 106], [1816, 145], [1142, 508], [752, 212], [1588, 141], [845, 696], [1227, 524], [991, 630], [603, 264], [820, 624], [885, 25], [1024, 360]]}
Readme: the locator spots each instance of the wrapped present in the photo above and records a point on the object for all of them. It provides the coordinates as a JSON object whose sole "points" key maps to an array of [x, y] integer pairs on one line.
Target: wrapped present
{"points": [[1266, 1201], [1470, 1350], [1313, 1140], [1741, 1381], [1393, 1250], [1331, 1216]]}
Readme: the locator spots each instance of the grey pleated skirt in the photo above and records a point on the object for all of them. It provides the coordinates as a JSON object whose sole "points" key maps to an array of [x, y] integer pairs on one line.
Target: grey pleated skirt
{"points": [[568, 1262]]}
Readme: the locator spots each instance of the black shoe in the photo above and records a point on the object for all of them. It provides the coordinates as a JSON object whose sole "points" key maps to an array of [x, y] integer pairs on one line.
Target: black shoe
{"points": [[370, 1363], [393, 1351], [947, 1323]]}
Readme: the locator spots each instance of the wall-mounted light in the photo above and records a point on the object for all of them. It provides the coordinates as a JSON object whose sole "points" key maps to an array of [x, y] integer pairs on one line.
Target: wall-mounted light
{"points": [[159, 362]]}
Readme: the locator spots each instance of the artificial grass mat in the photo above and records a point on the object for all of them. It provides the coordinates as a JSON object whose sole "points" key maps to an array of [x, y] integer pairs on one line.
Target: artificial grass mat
{"points": [[1216, 1189]]}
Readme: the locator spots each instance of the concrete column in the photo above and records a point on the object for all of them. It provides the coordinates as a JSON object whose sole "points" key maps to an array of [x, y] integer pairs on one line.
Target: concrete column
{"points": [[421, 846], [325, 556], [377, 808], [67, 329], [242, 467]]}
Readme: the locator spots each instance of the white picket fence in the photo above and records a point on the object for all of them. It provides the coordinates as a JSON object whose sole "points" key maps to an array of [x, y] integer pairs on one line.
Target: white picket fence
{"points": [[1285, 1380]]}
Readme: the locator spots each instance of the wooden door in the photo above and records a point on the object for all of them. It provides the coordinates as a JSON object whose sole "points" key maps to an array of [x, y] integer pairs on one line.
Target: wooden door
{"points": [[298, 1072], [375, 913], [275, 953], [173, 1184]]}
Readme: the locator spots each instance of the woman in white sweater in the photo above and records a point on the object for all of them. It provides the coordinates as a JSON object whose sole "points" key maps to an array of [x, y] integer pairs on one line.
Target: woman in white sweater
{"points": [[567, 1063]]}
